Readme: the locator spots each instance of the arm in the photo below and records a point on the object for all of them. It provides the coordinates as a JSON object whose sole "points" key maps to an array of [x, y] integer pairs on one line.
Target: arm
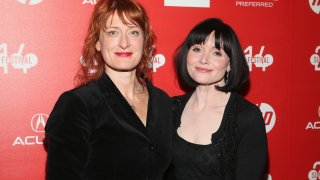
{"points": [[67, 136], [252, 148]]}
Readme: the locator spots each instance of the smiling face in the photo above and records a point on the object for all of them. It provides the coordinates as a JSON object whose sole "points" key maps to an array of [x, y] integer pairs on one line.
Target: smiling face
{"points": [[121, 45], [206, 64]]}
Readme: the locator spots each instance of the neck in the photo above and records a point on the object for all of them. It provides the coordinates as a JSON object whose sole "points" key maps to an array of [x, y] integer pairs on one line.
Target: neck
{"points": [[126, 82], [208, 96]]}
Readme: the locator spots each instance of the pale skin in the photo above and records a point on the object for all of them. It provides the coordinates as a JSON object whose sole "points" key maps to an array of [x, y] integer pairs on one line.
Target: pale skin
{"points": [[203, 112], [121, 46]]}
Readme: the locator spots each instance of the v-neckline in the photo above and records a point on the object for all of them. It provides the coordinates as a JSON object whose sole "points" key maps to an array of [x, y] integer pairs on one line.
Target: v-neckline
{"points": [[126, 104]]}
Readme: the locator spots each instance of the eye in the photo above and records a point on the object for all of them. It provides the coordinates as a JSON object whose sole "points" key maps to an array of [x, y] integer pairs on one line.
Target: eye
{"points": [[196, 49], [112, 33], [135, 32], [217, 53]]}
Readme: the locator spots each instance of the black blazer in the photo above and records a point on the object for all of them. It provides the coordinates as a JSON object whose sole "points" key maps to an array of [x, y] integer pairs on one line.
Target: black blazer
{"points": [[92, 133]]}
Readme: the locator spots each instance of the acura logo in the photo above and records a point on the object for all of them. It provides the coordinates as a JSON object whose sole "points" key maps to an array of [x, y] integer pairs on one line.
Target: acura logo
{"points": [[38, 122]]}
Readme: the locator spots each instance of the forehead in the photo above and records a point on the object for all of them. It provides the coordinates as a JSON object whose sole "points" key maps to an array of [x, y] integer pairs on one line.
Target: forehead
{"points": [[115, 20], [210, 39], [205, 38]]}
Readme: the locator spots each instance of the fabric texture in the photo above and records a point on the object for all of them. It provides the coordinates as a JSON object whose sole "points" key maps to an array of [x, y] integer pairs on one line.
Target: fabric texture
{"points": [[238, 149], [93, 134]]}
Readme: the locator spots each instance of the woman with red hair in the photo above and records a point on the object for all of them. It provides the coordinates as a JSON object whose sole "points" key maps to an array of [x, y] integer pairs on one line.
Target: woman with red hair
{"points": [[115, 124]]}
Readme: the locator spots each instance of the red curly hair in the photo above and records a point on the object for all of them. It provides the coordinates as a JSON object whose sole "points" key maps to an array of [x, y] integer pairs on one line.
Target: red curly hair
{"points": [[93, 65]]}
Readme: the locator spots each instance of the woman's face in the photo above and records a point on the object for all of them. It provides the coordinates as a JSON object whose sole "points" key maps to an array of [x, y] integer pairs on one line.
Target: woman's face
{"points": [[121, 45], [206, 64]]}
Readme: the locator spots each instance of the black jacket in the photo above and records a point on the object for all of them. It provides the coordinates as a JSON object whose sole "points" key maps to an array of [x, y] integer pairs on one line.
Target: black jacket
{"points": [[92, 133]]}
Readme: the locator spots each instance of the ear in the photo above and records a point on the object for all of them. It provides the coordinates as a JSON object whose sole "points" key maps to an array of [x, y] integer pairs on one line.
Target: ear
{"points": [[98, 46], [228, 68]]}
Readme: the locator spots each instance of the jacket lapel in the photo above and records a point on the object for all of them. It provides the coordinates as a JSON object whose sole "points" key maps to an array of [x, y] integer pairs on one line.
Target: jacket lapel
{"points": [[121, 110]]}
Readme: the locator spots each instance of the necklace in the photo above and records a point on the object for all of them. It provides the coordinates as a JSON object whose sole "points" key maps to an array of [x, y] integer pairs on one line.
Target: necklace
{"points": [[133, 104], [139, 91]]}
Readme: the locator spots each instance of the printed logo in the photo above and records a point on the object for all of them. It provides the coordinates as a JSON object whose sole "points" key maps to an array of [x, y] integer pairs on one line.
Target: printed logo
{"points": [[188, 3], [315, 6], [269, 115], [38, 123], [157, 61], [254, 4], [259, 60], [16, 60], [89, 2], [315, 58], [314, 125], [314, 174], [30, 2]]}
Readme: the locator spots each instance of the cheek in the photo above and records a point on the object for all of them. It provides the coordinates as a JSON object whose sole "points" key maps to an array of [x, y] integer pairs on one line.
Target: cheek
{"points": [[107, 43], [189, 63], [102, 46], [139, 49], [137, 43], [191, 58], [221, 64]]}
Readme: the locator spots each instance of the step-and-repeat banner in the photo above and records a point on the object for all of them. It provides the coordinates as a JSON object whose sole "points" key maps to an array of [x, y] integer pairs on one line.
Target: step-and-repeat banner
{"points": [[40, 52]]}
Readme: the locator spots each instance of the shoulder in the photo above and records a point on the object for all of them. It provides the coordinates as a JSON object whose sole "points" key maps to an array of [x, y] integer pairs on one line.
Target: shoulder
{"points": [[85, 90], [81, 96], [71, 108], [180, 101], [76, 96], [157, 92], [181, 98], [249, 115], [244, 106]]}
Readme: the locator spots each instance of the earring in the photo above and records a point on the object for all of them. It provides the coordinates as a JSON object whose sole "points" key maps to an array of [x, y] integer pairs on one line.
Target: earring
{"points": [[226, 77]]}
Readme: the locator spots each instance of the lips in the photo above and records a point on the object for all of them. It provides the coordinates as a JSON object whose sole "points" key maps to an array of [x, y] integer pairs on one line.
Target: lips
{"points": [[201, 69], [123, 54]]}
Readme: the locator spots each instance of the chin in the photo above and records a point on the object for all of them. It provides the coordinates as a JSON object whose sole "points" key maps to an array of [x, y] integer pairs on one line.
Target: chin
{"points": [[207, 82], [124, 68], [203, 81]]}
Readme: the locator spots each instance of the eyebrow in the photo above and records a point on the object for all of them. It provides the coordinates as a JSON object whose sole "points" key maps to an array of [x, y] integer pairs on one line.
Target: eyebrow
{"points": [[130, 26]]}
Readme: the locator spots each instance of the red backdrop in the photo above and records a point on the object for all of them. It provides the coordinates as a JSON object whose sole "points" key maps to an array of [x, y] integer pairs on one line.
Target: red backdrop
{"points": [[40, 50]]}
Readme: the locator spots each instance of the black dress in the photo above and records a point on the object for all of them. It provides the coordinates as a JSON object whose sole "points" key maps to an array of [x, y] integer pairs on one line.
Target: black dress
{"points": [[238, 149]]}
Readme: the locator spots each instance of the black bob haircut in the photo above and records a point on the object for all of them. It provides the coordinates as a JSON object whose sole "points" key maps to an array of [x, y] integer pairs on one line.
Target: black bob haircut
{"points": [[225, 38]]}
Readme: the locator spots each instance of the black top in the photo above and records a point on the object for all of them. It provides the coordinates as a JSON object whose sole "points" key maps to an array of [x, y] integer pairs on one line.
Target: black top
{"points": [[93, 134], [238, 149]]}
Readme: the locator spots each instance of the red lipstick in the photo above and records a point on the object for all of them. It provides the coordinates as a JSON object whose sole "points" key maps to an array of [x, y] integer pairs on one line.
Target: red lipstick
{"points": [[123, 54]]}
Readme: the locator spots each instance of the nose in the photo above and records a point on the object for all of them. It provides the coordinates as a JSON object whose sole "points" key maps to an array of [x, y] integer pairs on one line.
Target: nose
{"points": [[205, 58], [124, 43]]}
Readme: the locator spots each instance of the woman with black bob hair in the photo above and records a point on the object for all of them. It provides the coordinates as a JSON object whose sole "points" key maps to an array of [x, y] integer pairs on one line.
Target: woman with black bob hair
{"points": [[218, 134], [225, 36]]}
